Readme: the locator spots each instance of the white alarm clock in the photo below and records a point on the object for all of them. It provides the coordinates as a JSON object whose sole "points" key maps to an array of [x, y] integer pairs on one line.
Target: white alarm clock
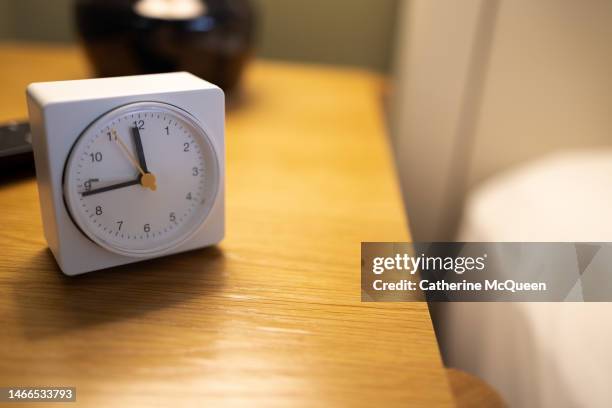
{"points": [[128, 168]]}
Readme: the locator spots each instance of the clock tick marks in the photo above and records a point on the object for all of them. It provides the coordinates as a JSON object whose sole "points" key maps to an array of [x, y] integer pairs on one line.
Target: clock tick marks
{"points": [[113, 204]]}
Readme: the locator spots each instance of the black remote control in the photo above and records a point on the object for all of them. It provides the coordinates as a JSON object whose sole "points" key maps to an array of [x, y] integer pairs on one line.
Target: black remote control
{"points": [[15, 146]]}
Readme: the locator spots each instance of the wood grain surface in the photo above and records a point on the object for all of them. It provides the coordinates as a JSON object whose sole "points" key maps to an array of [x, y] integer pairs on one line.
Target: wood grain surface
{"points": [[472, 392], [271, 317]]}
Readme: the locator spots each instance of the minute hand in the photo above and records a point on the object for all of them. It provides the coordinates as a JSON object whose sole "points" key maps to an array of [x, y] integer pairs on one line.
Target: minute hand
{"points": [[139, 149]]}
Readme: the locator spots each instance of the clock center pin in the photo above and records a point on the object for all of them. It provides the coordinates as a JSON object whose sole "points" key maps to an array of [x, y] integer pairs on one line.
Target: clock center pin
{"points": [[148, 181]]}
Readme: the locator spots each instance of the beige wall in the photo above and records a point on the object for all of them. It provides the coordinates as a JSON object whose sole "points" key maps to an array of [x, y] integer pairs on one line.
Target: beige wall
{"points": [[432, 106], [489, 84], [349, 32], [548, 85]]}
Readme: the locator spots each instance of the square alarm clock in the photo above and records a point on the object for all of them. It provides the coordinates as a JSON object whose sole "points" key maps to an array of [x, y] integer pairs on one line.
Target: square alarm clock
{"points": [[128, 168]]}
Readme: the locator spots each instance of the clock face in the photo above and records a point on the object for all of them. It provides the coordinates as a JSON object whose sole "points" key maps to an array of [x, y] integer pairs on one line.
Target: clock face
{"points": [[141, 179]]}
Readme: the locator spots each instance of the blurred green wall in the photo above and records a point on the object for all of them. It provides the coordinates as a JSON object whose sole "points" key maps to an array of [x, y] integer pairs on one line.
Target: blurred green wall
{"points": [[4, 20], [348, 32]]}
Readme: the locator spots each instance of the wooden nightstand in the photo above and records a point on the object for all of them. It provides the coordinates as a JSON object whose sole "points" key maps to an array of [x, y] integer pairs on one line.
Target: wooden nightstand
{"points": [[272, 317]]}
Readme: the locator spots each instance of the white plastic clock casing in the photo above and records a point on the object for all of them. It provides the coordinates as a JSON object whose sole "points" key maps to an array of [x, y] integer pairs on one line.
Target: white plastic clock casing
{"points": [[60, 111]]}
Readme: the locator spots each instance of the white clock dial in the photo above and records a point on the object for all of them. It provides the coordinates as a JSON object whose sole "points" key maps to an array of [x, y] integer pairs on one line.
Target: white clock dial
{"points": [[141, 179]]}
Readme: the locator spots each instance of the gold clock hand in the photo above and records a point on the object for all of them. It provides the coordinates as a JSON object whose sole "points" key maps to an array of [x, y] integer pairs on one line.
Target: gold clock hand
{"points": [[147, 180], [127, 152]]}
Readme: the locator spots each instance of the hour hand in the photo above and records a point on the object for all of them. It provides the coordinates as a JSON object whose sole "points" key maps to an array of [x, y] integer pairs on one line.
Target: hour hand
{"points": [[139, 149], [111, 187]]}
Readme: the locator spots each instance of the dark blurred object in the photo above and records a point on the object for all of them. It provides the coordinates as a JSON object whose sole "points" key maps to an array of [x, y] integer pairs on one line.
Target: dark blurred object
{"points": [[15, 146], [212, 39]]}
